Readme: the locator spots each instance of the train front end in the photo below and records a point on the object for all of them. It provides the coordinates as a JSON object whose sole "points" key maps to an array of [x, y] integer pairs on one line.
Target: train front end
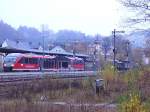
{"points": [[9, 62]]}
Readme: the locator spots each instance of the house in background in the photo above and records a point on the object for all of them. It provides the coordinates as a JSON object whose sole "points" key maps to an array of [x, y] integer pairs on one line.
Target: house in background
{"points": [[15, 44], [1, 61]]}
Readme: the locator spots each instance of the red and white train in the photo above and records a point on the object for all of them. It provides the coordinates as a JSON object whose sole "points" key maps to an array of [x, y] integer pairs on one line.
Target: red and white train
{"points": [[33, 62]]}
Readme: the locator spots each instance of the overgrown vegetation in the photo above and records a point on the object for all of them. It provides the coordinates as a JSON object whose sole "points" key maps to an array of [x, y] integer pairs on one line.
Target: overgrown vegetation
{"points": [[39, 96], [129, 90], [132, 104]]}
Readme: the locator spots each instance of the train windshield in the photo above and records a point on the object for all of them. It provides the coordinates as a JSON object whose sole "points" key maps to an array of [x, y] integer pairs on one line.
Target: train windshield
{"points": [[10, 59]]}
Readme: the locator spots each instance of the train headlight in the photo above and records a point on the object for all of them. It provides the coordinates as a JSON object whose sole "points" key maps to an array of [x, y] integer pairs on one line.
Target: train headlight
{"points": [[12, 65], [5, 65]]}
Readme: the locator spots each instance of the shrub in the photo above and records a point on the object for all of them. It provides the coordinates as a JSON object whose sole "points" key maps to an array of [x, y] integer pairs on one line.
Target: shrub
{"points": [[147, 106], [132, 103], [131, 75], [109, 73]]}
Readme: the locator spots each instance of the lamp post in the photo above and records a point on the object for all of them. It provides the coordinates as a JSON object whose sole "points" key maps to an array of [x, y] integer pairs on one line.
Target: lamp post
{"points": [[44, 31], [114, 42]]}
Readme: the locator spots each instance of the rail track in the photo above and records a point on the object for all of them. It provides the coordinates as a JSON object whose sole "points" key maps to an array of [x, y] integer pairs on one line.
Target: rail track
{"points": [[17, 80], [10, 77]]}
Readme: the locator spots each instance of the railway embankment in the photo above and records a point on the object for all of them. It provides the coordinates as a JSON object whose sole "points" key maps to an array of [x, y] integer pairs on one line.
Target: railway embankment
{"points": [[67, 94], [128, 90]]}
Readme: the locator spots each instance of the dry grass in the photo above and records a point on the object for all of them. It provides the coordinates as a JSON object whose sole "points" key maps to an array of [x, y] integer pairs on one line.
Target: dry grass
{"points": [[23, 106], [119, 85], [26, 97]]}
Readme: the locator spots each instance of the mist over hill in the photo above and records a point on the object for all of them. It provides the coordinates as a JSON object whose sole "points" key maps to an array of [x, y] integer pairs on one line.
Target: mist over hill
{"points": [[138, 38], [35, 37], [8, 32]]}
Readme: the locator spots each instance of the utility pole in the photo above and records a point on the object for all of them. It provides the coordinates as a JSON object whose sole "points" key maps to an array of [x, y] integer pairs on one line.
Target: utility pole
{"points": [[114, 42], [127, 50], [44, 31]]}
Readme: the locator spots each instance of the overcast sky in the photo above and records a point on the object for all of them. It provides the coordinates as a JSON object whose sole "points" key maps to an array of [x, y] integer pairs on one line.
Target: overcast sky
{"points": [[87, 16]]}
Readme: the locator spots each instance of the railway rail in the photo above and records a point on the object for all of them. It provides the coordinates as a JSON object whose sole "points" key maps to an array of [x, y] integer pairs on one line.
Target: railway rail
{"points": [[8, 77], [17, 79]]}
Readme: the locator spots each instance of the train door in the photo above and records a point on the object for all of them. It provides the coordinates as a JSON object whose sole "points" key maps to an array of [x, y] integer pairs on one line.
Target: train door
{"points": [[49, 64], [40, 61], [46, 64], [53, 64], [62, 65], [59, 65]]}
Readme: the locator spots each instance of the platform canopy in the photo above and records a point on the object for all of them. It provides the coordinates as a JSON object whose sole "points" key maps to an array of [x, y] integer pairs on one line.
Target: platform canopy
{"points": [[9, 46], [54, 51]]}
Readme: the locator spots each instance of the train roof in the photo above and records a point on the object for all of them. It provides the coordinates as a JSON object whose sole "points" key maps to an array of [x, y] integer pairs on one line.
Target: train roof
{"points": [[14, 54], [29, 55]]}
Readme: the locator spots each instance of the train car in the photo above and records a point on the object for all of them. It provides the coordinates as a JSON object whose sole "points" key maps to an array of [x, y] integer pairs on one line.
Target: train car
{"points": [[76, 63], [122, 65], [33, 62], [25, 62]]}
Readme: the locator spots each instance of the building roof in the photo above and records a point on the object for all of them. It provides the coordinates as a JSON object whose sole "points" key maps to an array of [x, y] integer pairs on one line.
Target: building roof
{"points": [[60, 50], [29, 55], [15, 45]]}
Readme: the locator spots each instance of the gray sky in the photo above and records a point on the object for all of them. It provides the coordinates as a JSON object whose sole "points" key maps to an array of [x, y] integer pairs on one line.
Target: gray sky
{"points": [[87, 16]]}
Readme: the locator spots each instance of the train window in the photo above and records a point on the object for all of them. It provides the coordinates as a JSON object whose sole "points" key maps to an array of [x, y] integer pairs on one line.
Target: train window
{"points": [[22, 60], [26, 60], [47, 63], [65, 64], [32, 60], [35, 61], [10, 59]]}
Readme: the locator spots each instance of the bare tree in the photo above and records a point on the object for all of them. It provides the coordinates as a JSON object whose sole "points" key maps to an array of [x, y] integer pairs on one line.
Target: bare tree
{"points": [[147, 47], [106, 46], [140, 8]]}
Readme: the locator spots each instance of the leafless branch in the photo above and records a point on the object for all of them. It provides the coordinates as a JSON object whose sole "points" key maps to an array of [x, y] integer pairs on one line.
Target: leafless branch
{"points": [[136, 4], [140, 8]]}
